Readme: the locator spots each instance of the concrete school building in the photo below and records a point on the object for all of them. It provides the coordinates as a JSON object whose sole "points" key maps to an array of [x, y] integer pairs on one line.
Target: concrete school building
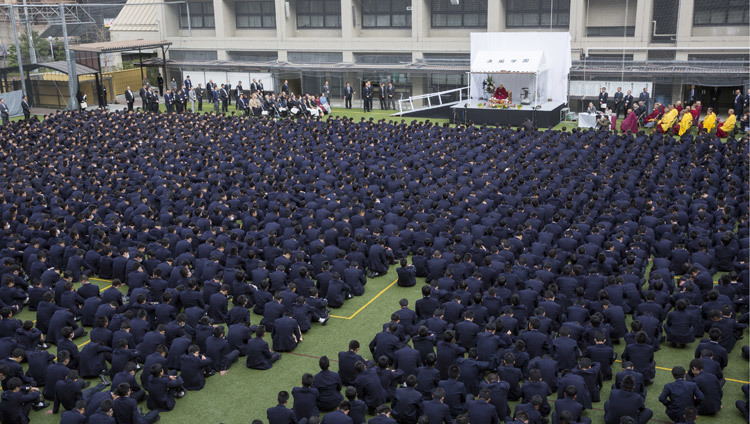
{"points": [[422, 46]]}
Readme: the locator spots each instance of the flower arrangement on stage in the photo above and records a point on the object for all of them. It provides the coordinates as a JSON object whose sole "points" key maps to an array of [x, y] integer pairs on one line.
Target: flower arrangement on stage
{"points": [[494, 103]]}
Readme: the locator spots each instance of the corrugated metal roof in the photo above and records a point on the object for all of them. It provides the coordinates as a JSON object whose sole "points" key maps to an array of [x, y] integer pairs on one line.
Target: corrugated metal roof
{"points": [[137, 18], [119, 46]]}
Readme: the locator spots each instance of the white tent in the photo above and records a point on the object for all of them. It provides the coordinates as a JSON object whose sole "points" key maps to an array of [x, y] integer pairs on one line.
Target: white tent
{"points": [[515, 70], [556, 59]]}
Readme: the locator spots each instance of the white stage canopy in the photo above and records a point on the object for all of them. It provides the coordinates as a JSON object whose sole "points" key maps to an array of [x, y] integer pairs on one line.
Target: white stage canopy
{"points": [[516, 71], [552, 68]]}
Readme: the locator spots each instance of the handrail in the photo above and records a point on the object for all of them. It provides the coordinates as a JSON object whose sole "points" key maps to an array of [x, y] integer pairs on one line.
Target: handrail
{"points": [[407, 105]]}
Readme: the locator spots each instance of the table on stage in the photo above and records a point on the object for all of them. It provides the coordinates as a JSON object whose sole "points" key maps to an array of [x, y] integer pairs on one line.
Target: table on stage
{"points": [[586, 120]]}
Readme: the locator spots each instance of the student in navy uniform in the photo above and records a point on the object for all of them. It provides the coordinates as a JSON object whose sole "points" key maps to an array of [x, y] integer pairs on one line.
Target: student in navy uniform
{"points": [[280, 414], [437, 411], [163, 389], [568, 404], [383, 416], [641, 354], [626, 402], [329, 386], [407, 275], [126, 408], [286, 334], [480, 411], [193, 368], [407, 402], [680, 394], [455, 391], [77, 415], [221, 353], [259, 356], [339, 416], [305, 399], [105, 414], [709, 385], [369, 388]]}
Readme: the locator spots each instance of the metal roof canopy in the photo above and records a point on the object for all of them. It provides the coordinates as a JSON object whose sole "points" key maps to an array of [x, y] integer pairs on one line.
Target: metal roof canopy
{"points": [[120, 46], [60, 66]]}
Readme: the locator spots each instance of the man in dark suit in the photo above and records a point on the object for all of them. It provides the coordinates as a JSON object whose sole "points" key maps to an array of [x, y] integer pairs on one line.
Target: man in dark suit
{"points": [[4, 112], [367, 93], [129, 99], [739, 103], [224, 97], [284, 87], [199, 96], [618, 102], [26, 108], [603, 97], [644, 97], [627, 102], [715, 94], [692, 95], [348, 93], [391, 92]]}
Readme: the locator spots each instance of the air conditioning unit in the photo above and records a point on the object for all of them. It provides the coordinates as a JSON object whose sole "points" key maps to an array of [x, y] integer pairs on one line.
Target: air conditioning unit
{"points": [[454, 2]]}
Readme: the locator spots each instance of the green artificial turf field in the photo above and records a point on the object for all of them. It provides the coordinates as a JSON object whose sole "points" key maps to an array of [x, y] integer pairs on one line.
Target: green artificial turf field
{"points": [[243, 394]]}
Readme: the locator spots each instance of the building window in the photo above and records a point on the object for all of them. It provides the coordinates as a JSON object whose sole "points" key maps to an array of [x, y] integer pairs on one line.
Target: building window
{"points": [[613, 31], [201, 14], [537, 13], [255, 14], [193, 55], [727, 12], [386, 14], [465, 14], [318, 14], [382, 58], [315, 57]]}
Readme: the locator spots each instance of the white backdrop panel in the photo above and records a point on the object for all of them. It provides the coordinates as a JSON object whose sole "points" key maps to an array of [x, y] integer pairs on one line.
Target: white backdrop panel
{"points": [[197, 77], [592, 88], [239, 76], [218, 77]]}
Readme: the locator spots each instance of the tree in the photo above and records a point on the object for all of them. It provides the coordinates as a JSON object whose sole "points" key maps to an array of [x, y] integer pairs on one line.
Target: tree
{"points": [[40, 44]]}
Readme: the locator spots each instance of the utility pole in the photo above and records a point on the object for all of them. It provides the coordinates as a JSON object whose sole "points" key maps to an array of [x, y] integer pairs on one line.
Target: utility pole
{"points": [[72, 74], [32, 48], [18, 47]]}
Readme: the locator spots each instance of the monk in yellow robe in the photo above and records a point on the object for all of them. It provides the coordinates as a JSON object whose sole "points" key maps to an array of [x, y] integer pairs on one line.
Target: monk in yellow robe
{"points": [[668, 120], [709, 123], [727, 126], [685, 122]]}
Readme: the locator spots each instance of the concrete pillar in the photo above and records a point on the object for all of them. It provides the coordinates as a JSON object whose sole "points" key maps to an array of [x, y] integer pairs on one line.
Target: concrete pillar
{"points": [[685, 20], [346, 21], [495, 16], [577, 25], [417, 23], [221, 20], [281, 24], [644, 13]]}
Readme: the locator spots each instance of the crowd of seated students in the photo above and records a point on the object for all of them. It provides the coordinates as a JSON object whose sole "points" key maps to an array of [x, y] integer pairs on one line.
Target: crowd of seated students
{"points": [[534, 247]]}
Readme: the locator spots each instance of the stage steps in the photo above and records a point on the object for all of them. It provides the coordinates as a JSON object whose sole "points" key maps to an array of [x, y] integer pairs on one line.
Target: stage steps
{"points": [[432, 105]]}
